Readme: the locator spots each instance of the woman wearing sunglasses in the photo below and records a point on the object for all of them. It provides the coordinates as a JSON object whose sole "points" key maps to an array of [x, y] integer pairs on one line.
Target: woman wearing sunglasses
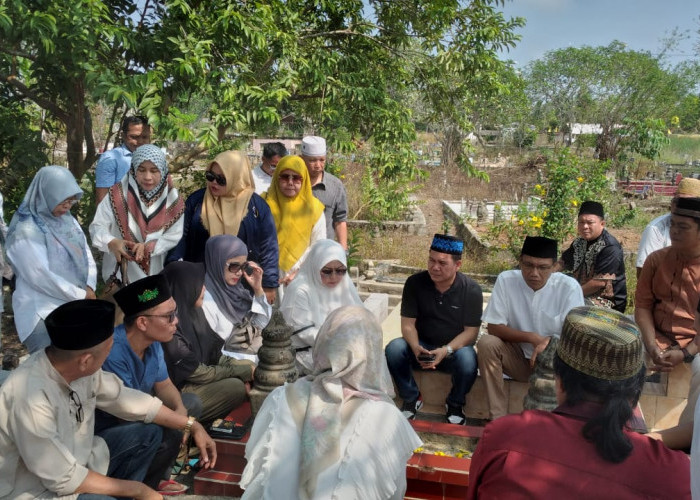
{"points": [[234, 301], [322, 286], [298, 215], [48, 253], [229, 205], [140, 219]]}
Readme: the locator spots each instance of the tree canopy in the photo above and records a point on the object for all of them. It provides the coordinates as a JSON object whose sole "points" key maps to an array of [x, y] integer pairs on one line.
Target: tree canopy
{"points": [[340, 68]]}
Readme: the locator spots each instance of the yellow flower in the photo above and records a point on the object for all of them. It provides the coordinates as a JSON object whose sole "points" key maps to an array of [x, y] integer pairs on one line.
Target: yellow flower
{"points": [[440, 454], [579, 179], [418, 450], [521, 222], [574, 203]]}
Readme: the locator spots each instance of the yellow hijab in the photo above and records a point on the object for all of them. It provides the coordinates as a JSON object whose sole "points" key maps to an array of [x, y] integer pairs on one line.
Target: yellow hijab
{"points": [[223, 214], [294, 217]]}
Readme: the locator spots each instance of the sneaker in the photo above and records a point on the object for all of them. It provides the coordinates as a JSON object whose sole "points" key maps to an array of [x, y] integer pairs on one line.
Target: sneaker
{"points": [[410, 408], [455, 415]]}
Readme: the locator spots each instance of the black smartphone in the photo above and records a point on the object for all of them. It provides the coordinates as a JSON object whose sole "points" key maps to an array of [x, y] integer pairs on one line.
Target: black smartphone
{"points": [[248, 269], [426, 358]]}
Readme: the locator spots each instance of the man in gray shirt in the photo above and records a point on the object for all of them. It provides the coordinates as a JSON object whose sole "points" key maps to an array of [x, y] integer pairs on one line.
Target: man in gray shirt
{"points": [[327, 188]]}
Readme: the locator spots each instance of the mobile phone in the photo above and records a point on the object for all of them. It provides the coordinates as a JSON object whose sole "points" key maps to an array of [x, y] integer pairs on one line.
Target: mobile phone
{"points": [[426, 358], [248, 269]]}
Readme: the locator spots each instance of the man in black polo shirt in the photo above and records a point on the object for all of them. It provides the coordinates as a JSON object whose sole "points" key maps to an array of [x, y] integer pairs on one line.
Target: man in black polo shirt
{"points": [[440, 319]]}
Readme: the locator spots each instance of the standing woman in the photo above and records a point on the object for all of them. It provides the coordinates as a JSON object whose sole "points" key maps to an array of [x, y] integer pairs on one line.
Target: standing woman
{"points": [[236, 312], [297, 212], [322, 286], [141, 219], [49, 254], [229, 205]]}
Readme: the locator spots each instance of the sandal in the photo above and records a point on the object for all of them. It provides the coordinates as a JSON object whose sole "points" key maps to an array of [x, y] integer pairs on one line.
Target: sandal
{"points": [[171, 488]]}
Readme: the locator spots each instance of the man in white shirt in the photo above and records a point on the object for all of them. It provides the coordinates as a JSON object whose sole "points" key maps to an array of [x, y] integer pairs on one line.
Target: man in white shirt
{"points": [[272, 153], [527, 308], [657, 234], [47, 417]]}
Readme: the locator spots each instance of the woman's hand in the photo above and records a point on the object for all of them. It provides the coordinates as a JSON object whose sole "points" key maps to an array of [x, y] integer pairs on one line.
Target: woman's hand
{"points": [[255, 279], [139, 251], [90, 293], [120, 248], [288, 277]]}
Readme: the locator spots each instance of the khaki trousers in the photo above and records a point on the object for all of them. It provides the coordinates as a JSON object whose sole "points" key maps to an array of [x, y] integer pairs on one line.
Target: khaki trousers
{"points": [[496, 357], [218, 398]]}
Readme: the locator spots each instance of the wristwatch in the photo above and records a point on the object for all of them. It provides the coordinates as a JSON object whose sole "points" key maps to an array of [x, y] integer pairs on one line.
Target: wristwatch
{"points": [[449, 349], [188, 426], [687, 357]]}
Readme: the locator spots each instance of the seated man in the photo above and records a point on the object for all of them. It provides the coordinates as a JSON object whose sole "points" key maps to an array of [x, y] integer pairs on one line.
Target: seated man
{"points": [[583, 449], [47, 417], [596, 260], [667, 291], [440, 319], [137, 358], [657, 234], [527, 308]]}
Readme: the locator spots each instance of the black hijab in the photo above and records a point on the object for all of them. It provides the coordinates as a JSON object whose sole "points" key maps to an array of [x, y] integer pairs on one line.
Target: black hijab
{"points": [[194, 342]]}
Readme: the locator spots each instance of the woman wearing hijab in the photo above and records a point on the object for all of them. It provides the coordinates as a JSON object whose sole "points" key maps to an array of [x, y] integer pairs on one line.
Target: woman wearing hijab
{"points": [[236, 312], [298, 214], [321, 287], [49, 254], [141, 218], [229, 205], [192, 356], [335, 433]]}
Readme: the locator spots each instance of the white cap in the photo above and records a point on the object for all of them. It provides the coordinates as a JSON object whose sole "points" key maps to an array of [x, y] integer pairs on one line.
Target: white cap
{"points": [[312, 145]]}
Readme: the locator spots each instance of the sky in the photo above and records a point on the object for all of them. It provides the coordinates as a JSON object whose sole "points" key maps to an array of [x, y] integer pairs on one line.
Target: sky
{"points": [[640, 24]]}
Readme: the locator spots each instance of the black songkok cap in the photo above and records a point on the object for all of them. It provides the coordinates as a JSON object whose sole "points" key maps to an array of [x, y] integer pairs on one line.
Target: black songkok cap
{"points": [[445, 243], [540, 247], [687, 207], [80, 324], [593, 208], [143, 294]]}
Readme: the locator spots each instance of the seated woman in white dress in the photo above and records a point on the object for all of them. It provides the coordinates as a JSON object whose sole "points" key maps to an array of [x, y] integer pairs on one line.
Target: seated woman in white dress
{"points": [[322, 286], [236, 312], [336, 433], [49, 254], [141, 218]]}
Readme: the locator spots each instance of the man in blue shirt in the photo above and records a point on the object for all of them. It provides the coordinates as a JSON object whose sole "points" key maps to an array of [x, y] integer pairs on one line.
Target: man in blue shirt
{"points": [[150, 317], [115, 163]]}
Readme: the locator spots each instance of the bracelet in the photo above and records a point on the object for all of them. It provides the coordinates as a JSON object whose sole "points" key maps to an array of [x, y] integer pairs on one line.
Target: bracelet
{"points": [[188, 426]]}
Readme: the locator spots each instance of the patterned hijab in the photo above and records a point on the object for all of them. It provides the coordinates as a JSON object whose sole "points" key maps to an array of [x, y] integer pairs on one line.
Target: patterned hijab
{"points": [[34, 220], [326, 300], [349, 363], [294, 217], [234, 301], [223, 215], [140, 213]]}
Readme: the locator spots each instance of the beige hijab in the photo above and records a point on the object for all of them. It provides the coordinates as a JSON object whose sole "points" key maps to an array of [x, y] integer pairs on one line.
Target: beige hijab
{"points": [[349, 366], [223, 215]]}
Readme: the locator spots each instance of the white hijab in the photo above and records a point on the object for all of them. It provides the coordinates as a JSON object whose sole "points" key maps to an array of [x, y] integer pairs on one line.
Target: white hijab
{"points": [[325, 300]]}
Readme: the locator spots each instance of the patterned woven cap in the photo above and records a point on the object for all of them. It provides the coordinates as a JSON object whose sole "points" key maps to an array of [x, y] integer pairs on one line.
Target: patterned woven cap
{"points": [[688, 187], [601, 343], [444, 243]]}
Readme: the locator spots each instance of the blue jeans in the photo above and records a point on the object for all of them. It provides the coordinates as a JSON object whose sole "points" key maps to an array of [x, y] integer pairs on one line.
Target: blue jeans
{"points": [[401, 361], [131, 449]]}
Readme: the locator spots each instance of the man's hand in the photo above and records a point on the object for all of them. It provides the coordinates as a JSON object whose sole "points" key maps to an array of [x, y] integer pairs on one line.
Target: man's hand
{"points": [[663, 361], [90, 293], [206, 445], [539, 347], [149, 494]]}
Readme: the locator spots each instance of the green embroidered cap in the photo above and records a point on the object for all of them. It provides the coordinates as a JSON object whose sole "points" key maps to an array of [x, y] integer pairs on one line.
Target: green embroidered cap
{"points": [[143, 294]]}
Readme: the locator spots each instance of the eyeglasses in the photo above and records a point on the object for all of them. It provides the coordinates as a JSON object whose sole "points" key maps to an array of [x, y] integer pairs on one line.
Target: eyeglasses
{"points": [[170, 317], [75, 400], [527, 266], [69, 201], [295, 178], [212, 177], [234, 267], [326, 271]]}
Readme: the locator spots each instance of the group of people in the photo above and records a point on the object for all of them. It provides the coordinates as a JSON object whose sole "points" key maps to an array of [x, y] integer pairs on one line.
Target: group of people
{"points": [[100, 411]]}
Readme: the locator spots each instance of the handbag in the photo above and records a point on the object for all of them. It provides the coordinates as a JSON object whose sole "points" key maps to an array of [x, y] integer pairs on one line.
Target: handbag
{"points": [[245, 337], [116, 281]]}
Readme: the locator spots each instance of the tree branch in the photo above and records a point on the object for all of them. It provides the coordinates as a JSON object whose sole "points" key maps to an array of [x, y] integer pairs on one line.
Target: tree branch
{"points": [[50, 106], [18, 53]]}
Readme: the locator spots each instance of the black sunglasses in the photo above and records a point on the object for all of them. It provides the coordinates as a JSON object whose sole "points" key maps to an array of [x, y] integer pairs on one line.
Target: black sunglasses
{"points": [[234, 267], [212, 177], [340, 271], [75, 399]]}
